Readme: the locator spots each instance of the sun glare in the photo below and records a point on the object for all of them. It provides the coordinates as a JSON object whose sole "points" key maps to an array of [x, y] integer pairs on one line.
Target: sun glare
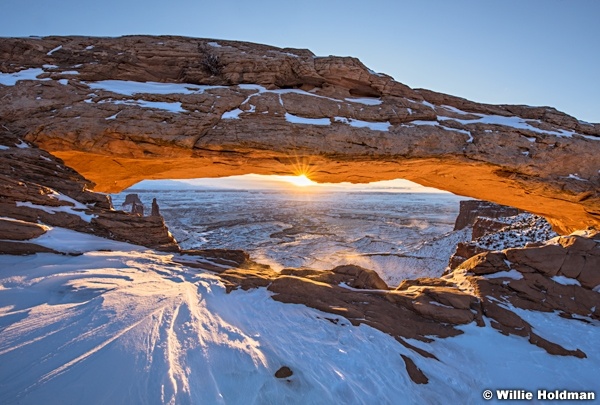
{"points": [[300, 180]]}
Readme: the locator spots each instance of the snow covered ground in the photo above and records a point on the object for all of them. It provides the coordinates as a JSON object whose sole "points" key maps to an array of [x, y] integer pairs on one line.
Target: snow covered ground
{"points": [[131, 326]]}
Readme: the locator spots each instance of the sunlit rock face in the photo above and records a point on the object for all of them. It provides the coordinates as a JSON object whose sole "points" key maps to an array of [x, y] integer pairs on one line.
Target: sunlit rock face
{"points": [[120, 110]]}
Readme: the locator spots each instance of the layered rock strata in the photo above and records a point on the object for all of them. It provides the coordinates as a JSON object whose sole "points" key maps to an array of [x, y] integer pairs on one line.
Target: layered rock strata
{"points": [[37, 191], [120, 110]]}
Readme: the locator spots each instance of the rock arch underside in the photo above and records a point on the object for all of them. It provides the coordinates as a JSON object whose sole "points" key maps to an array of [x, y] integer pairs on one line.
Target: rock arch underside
{"points": [[81, 114]]}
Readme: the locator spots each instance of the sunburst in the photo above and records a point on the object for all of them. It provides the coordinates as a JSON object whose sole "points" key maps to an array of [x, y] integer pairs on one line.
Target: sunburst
{"points": [[300, 180]]}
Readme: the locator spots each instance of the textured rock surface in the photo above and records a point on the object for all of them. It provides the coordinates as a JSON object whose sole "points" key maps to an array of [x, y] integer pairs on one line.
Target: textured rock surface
{"points": [[472, 210], [36, 187], [501, 232], [266, 110]]}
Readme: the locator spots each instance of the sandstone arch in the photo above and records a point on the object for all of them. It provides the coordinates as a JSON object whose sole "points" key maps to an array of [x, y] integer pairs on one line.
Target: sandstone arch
{"points": [[120, 110]]}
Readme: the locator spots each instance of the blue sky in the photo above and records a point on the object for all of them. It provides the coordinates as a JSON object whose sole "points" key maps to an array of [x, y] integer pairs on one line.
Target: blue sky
{"points": [[536, 52]]}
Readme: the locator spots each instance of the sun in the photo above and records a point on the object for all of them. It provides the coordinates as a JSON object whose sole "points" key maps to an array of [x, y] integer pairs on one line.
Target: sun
{"points": [[300, 180]]}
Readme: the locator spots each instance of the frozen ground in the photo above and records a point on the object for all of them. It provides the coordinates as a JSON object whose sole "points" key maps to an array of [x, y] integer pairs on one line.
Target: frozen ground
{"points": [[131, 326], [396, 234]]}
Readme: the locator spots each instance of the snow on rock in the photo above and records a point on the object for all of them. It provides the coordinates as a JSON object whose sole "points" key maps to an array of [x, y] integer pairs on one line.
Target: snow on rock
{"points": [[233, 114], [172, 107], [54, 50], [565, 280], [133, 326], [22, 144], [129, 88], [365, 100], [53, 210], [294, 119], [75, 207], [482, 358], [10, 79], [512, 274], [375, 126], [519, 230]]}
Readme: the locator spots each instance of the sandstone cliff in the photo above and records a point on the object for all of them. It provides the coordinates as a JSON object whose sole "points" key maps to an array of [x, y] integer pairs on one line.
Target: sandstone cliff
{"points": [[120, 110], [38, 191]]}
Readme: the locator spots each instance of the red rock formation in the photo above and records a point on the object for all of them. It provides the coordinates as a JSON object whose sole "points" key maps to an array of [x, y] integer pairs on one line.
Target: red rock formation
{"points": [[328, 116], [35, 187]]}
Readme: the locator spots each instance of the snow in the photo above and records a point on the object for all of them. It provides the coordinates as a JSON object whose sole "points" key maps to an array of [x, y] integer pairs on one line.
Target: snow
{"points": [[74, 209], [482, 358], [519, 230], [2, 147], [455, 110], [233, 114], [575, 177], [90, 47], [365, 100], [513, 121], [64, 82], [69, 241], [214, 44], [512, 274], [22, 144], [309, 121], [112, 117], [10, 79], [260, 90], [375, 126], [566, 280], [54, 50], [132, 326], [437, 124], [50, 66], [129, 88], [69, 72], [172, 107]]}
